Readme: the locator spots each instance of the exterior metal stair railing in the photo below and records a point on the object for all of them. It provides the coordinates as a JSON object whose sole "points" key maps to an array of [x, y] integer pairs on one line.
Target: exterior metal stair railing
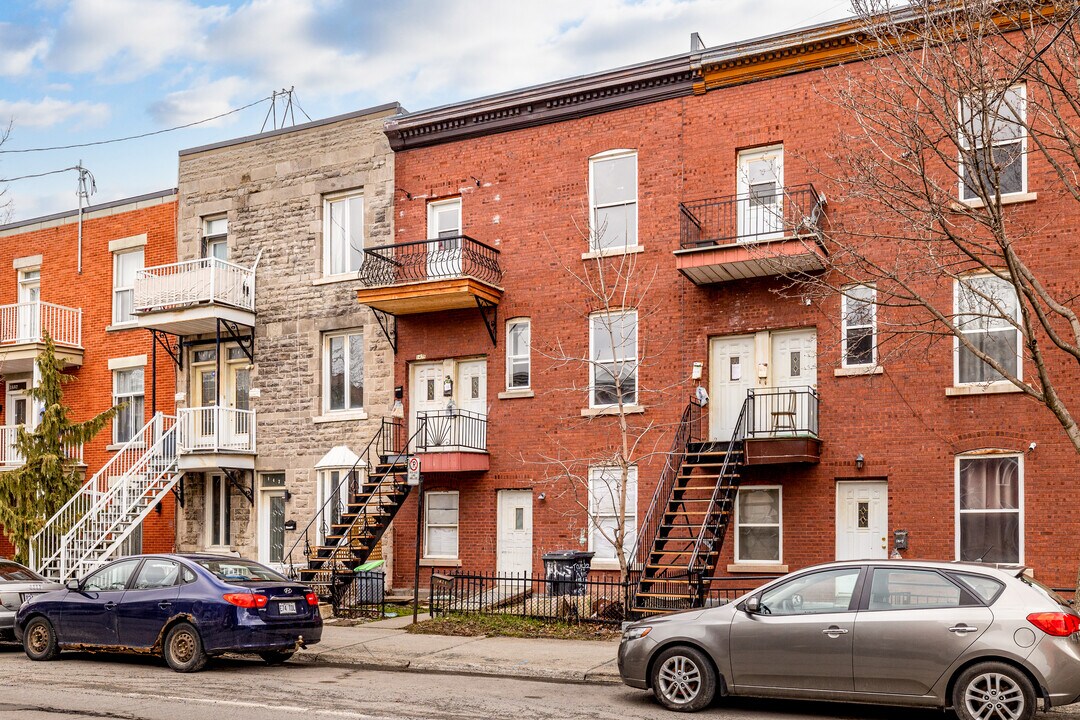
{"points": [[90, 527]]}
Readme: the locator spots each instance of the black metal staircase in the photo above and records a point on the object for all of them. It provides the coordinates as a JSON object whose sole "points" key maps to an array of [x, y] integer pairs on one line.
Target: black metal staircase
{"points": [[683, 532]]}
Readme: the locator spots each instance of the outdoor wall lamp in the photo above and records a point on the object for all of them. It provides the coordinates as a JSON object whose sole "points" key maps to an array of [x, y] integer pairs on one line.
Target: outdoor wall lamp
{"points": [[289, 525], [288, 496], [542, 497], [859, 461], [448, 387]]}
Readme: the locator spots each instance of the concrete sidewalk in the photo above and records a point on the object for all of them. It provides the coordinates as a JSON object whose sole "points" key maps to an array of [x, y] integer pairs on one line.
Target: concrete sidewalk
{"points": [[384, 645]]}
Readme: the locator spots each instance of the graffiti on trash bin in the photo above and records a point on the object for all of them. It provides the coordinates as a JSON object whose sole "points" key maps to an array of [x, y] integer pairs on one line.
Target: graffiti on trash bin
{"points": [[567, 578]]}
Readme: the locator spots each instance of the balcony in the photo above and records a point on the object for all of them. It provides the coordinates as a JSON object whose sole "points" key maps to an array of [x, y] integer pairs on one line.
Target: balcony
{"points": [[10, 457], [189, 298], [451, 441], [450, 273], [751, 235], [782, 426], [216, 437], [23, 327]]}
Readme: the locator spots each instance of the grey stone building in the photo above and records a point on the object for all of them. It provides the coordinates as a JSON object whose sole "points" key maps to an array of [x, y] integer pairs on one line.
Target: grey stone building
{"points": [[282, 376]]}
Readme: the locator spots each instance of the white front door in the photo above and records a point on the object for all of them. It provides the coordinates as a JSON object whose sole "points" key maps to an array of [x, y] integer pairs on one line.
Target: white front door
{"points": [[29, 308], [514, 532], [426, 395], [760, 180], [444, 228], [862, 516], [17, 413], [472, 386], [793, 365], [272, 527], [731, 373], [237, 387]]}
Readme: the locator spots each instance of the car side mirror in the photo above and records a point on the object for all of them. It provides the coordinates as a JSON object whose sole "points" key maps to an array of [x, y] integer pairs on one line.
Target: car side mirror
{"points": [[752, 605], [72, 585]]}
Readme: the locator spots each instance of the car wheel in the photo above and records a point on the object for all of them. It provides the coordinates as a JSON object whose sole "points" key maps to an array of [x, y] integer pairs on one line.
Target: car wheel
{"points": [[276, 657], [39, 640], [993, 691], [183, 649], [683, 679]]}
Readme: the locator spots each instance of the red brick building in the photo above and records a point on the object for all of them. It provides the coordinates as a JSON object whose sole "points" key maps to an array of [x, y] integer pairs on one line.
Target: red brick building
{"points": [[508, 201], [82, 296]]}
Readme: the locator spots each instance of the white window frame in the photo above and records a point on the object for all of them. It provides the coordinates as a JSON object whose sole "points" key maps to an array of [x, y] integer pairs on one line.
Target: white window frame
{"points": [[456, 526], [845, 326], [346, 334], [630, 526], [956, 340], [328, 248], [433, 209], [118, 289], [224, 498], [1023, 147], [512, 359], [208, 239], [594, 245], [1020, 498], [594, 361], [779, 525], [120, 398]]}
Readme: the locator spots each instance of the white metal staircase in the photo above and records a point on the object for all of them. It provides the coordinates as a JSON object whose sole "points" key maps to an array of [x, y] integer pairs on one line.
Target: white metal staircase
{"points": [[110, 505]]}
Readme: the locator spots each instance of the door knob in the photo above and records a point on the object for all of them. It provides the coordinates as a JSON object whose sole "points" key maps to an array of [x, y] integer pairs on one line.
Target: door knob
{"points": [[110, 605]]}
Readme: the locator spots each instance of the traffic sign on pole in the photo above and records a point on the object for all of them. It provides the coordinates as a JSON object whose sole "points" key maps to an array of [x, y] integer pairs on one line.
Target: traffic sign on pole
{"points": [[412, 477]]}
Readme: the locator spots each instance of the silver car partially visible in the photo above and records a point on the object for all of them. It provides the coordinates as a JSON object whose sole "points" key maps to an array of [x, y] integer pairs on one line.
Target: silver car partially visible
{"points": [[18, 584], [991, 643]]}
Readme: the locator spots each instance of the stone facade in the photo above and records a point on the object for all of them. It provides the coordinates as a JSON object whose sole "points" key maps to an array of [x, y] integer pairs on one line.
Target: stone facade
{"points": [[272, 189]]}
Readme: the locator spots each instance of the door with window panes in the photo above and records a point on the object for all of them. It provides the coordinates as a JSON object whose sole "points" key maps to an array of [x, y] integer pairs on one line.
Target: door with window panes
{"points": [[444, 230], [272, 519], [29, 321], [214, 428], [760, 208]]}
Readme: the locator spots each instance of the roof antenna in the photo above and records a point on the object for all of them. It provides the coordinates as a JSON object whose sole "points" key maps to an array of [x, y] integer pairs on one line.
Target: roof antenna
{"points": [[289, 104], [696, 43], [87, 187]]}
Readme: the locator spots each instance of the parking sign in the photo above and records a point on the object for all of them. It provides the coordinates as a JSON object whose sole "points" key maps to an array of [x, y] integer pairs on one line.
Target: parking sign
{"points": [[412, 477]]}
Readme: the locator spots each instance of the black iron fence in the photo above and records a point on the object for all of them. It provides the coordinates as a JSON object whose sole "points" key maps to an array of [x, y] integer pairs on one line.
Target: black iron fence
{"points": [[438, 259], [452, 429], [594, 600], [757, 215], [782, 412]]}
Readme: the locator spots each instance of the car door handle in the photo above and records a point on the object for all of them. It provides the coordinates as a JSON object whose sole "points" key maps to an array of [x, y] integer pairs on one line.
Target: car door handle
{"points": [[834, 631], [164, 604], [961, 629], [110, 605]]}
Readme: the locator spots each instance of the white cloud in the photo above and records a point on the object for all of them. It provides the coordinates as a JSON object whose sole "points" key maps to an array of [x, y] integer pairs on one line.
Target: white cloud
{"points": [[48, 112], [204, 99], [21, 49]]}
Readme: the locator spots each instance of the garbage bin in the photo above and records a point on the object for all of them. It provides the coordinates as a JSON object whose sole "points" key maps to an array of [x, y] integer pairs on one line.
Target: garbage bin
{"points": [[370, 587], [566, 571]]}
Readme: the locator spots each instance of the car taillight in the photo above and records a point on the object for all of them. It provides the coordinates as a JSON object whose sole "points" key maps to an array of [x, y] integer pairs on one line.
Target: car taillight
{"points": [[312, 599], [245, 600], [1058, 624]]}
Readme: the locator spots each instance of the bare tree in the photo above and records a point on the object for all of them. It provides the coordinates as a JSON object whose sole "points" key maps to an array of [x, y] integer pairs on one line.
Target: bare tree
{"points": [[599, 478], [941, 125]]}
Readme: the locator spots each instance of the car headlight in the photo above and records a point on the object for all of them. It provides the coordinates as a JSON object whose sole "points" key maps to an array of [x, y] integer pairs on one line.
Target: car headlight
{"points": [[636, 633]]}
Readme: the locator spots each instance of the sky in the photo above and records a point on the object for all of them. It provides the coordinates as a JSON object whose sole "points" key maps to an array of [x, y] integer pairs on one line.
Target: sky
{"points": [[86, 71]]}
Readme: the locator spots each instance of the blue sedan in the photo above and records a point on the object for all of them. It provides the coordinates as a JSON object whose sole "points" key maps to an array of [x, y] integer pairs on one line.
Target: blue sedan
{"points": [[185, 607]]}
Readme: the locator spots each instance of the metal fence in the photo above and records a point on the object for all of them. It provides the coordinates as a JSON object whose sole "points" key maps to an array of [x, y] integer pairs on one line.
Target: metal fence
{"points": [[359, 595], [750, 217], [450, 430], [437, 259], [779, 412]]}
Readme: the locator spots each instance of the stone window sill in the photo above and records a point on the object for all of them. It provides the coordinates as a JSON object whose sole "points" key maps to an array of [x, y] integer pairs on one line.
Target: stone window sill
{"points": [[857, 371], [122, 326], [519, 393], [604, 565], [995, 389], [614, 410], [440, 562], [340, 417], [120, 446], [1010, 199], [764, 568], [612, 252], [332, 279]]}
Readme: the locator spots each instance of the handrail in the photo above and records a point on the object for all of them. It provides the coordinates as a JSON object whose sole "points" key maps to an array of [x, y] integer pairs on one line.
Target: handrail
{"points": [[191, 282], [452, 428], [684, 434], [747, 217], [26, 322], [435, 259], [782, 412]]}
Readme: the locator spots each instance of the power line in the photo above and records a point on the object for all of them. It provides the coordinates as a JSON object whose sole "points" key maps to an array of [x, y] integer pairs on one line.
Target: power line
{"points": [[37, 175], [131, 137]]}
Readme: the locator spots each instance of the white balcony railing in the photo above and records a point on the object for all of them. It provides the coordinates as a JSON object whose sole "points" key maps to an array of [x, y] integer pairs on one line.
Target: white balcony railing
{"points": [[9, 454], [216, 429], [27, 322], [194, 282]]}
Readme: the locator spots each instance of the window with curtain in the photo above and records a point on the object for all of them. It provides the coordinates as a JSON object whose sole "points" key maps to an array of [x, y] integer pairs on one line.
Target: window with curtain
{"points": [[613, 342], [989, 509], [992, 139], [343, 234], [757, 525], [343, 376], [986, 312], [441, 524], [605, 487], [128, 391]]}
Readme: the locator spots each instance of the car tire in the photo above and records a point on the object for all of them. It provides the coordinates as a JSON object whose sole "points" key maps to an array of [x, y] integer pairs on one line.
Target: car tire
{"points": [[683, 679], [183, 649], [276, 657], [39, 640], [993, 691]]}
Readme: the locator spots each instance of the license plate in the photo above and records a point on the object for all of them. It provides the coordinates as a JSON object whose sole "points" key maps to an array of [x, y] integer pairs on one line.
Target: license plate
{"points": [[286, 608]]}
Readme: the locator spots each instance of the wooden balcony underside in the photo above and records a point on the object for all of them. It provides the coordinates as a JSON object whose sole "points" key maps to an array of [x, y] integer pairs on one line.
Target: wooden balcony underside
{"points": [[783, 450], [429, 296]]}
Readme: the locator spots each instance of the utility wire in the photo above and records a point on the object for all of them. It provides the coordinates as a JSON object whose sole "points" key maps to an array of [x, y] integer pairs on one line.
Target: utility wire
{"points": [[131, 137], [37, 175]]}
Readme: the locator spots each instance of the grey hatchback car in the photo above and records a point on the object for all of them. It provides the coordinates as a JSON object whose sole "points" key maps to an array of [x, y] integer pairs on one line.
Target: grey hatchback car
{"points": [[989, 642]]}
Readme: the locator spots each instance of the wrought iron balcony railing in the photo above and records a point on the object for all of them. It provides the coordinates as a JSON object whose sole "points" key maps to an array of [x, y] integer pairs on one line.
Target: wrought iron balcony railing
{"points": [[425, 260], [751, 217], [28, 322], [782, 412], [451, 430]]}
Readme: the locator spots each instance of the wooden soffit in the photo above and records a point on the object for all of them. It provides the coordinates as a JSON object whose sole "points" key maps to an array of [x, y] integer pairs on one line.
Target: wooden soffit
{"points": [[431, 296]]}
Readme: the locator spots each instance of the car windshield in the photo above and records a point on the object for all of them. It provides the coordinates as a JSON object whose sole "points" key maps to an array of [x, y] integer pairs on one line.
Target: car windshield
{"points": [[1045, 591], [13, 572], [240, 571]]}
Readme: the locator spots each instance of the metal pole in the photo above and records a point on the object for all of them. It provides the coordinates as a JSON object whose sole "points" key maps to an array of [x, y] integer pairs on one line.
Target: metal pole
{"points": [[416, 559], [153, 373]]}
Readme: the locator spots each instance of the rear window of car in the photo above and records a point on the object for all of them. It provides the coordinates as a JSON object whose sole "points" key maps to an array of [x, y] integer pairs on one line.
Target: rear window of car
{"points": [[987, 589], [12, 572], [240, 571], [1032, 582]]}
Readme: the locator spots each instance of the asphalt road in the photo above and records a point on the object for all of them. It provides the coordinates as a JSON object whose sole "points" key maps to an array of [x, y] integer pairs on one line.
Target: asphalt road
{"points": [[117, 687]]}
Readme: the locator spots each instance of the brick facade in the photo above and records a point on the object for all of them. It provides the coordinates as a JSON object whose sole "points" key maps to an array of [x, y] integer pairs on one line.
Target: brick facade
{"points": [[148, 222]]}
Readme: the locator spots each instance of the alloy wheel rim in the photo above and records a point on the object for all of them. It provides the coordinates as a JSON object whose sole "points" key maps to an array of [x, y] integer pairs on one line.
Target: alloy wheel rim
{"points": [[39, 638], [679, 679], [994, 696], [183, 647]]}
